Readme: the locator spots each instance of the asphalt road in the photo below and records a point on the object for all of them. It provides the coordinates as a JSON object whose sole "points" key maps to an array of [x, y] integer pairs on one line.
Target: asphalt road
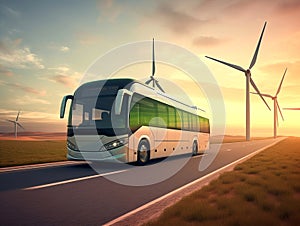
{"points": [[98, 193]]}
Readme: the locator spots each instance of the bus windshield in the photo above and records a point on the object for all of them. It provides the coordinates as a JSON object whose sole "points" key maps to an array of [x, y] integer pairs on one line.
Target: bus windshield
{"points": [[97, 113]]}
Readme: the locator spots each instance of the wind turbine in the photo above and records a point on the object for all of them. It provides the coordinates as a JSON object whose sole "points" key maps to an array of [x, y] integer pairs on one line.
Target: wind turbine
{"points": [[291, 109], [276, 105], [16, 124], [152, 79], [248, 81]]}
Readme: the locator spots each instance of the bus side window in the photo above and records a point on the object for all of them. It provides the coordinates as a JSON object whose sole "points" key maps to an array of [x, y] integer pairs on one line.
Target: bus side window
{"points": [[204, 125], [178, 119], [185, 120], [172, 118], [193, 122], [162, 115], [134, 120], [197, 128]]}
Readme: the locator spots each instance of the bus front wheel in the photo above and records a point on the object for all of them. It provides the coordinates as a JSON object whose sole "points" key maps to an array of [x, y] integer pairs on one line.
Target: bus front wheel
{"points": [[143, 153], [195, 148]]}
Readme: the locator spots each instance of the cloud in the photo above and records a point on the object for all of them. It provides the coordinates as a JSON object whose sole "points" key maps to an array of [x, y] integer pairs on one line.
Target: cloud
{"points": [[24, 88], [207, 41], [10, 11], [24, 115], [60, 69], [12, 56], [109, 10], [177, 21], [288, 7], [277, 69], [6, 72], [65, 80], [25, 100], [64, 75], [86, 38], [64, 49]]}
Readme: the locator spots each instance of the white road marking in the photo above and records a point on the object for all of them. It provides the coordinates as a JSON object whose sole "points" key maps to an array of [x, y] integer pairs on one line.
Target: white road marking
{"points": [[72, 180], [145, 206], [41, 165], [228, 149], [200, 155]]}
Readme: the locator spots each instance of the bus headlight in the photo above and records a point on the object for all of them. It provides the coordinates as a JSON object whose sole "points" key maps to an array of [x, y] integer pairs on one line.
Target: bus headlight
{"points": [[72, 146], [116, 143]]}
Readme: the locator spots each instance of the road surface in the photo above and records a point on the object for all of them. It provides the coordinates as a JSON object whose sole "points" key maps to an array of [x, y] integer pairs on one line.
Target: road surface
{"points": [[78, 195]]}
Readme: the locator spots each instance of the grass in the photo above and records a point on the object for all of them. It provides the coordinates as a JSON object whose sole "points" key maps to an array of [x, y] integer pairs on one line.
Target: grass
{"points": [[14, 152], [264, 190]]}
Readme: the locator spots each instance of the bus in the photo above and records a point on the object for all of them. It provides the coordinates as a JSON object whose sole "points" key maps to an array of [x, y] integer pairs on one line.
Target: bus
{"points": [[128, 121]]}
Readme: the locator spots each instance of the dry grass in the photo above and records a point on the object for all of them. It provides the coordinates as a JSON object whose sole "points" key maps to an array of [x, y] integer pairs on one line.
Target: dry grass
{"points": [[17, 152], [264, 190]]}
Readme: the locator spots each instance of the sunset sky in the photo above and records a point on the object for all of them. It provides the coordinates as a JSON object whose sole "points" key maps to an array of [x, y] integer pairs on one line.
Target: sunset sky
{"points": [[46, 46]]}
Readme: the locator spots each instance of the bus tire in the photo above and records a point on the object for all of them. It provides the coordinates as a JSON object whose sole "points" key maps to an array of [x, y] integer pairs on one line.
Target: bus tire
{"points": [[143, 153], [195, 148]]}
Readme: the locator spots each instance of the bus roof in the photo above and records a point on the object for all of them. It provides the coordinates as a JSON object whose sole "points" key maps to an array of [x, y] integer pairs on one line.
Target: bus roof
{"points": [[92, 89]]}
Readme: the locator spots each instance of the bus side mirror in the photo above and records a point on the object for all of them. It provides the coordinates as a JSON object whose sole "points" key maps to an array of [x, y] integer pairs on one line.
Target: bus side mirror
{"points": [[119, 100], [63, 105]]}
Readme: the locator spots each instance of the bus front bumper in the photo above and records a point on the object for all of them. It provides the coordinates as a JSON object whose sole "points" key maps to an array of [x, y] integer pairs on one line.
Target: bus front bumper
{"points": [[116, 155]]}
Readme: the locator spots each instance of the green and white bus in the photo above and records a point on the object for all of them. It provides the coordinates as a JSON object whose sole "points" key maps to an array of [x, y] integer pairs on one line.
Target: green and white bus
{"points": [[128, 121]]}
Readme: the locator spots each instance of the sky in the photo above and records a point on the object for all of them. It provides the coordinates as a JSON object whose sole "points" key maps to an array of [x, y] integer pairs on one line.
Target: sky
{"points": [[47, 46]]}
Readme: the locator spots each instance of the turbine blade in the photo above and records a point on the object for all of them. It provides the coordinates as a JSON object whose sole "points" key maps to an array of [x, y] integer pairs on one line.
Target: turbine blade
{"points": [[17, 116], [291, 108], [257, 48], [257, 90], [10, 121], [263, 94], [277, 104], [20, 125], [228, 64], [279, 88], [153, 60], [148, 81], [157, 84]]}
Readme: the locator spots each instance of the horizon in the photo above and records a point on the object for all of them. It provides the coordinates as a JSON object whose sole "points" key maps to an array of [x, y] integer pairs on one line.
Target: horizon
{"points": [[45, 48]]}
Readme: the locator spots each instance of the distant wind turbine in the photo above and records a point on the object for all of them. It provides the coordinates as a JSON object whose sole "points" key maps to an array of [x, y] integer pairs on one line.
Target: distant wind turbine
{"points": [[276, 105], [248, 81], [152, 79], [16, 124]]}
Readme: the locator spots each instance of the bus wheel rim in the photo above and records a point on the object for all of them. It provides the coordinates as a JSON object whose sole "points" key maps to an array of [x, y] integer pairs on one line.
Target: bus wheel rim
{"points": [[143, 153]]}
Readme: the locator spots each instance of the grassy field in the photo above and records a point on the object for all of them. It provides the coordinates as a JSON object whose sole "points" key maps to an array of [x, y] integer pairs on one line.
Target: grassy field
{"points": [[264, 190], [14, 152]]}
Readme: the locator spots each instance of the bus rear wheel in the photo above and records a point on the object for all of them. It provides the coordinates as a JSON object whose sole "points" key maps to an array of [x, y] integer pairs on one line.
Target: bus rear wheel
{"points": [[143, 153], [195, 148]]}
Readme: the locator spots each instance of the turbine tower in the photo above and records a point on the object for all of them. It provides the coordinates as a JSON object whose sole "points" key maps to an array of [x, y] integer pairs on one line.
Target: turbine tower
{"points": [[16, 124], [248, 81], [152, 79], [276, 105]]}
